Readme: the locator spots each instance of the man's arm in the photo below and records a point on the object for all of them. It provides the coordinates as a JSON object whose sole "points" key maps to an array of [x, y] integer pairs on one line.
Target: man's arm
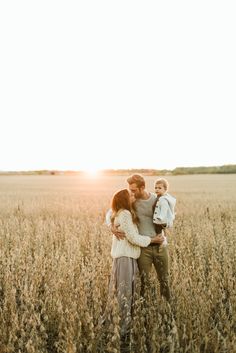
{"points": [[114, 229], [108, 218]]}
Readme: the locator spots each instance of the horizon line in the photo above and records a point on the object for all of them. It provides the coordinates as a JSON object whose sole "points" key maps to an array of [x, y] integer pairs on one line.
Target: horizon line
{"points": [[112, 169]]}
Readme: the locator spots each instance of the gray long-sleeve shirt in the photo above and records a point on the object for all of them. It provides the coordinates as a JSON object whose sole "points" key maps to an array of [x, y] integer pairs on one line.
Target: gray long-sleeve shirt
{"points": [[144, 211]]}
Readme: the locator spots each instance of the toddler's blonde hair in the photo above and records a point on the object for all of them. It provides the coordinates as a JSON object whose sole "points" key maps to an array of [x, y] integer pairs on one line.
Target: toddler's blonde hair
{"points": [[163, 182]]}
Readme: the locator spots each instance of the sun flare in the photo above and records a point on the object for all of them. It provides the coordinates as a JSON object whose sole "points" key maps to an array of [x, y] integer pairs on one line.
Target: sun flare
{"points": [[92, 172]]}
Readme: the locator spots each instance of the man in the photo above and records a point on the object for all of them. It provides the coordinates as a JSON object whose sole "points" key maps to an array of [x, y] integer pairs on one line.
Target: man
{"points": [[154, 254]]}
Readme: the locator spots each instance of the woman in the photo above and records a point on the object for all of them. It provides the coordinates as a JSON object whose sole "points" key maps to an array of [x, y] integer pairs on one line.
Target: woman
{"points": [[124, 253]]}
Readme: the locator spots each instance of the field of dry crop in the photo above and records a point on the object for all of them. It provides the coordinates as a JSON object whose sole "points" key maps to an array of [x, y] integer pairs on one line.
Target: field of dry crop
{"points": [[55, 264]]}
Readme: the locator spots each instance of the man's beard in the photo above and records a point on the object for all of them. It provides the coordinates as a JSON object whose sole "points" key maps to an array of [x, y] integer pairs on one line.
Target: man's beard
{"points": [[138, 196]]}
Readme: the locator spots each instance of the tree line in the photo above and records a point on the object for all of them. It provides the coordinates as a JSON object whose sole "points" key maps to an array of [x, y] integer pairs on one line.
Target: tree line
{"points": [[224, 169]]}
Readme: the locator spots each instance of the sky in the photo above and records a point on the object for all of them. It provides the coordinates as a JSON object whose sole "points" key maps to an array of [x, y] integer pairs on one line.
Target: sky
{"points": [[87, 85]]}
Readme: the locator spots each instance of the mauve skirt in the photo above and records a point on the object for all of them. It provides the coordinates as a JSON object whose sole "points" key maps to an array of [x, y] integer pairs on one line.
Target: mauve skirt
{"points": [[123, 285]]}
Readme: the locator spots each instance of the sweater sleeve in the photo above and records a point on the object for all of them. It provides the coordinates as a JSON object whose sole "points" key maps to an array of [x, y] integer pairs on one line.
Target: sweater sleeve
{"points": [[160, 212], [132, 235]]}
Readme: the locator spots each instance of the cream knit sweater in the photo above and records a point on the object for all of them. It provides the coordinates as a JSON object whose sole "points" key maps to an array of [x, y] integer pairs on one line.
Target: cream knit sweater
{"points": [[130, 246]]}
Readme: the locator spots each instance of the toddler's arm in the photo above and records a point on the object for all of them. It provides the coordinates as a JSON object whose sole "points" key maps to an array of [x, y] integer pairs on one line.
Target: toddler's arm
{"points": [[160, 212]]}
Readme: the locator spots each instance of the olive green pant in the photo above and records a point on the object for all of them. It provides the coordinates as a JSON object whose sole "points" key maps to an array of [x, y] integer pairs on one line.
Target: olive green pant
{"points": [[159, 257]]}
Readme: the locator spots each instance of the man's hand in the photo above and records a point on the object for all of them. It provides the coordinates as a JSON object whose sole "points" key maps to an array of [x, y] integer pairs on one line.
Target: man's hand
{"points": [[158, 239], [118, 233], [167, 232]]}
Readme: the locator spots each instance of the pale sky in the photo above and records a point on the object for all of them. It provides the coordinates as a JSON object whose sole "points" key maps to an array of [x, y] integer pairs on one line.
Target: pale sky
{"points": [[117, 84]]}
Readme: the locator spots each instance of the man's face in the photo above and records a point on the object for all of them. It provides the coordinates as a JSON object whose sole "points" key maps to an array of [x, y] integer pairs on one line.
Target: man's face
{"points": [[135, 191]]}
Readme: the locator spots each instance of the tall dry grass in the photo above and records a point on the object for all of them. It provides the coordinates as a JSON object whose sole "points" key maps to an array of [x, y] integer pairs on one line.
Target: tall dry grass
{"points": [[55, 264]]}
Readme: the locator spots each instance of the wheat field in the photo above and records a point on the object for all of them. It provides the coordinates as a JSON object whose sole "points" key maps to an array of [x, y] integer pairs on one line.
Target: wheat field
{"points": [[55, 264]]}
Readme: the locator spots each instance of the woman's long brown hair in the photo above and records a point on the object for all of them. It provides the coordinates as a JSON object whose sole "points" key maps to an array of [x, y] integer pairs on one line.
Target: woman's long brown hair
{"points": [[121, 201]]}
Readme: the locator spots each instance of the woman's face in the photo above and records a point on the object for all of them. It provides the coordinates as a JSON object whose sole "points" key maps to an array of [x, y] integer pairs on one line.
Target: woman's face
{"points": [[132, 197]]}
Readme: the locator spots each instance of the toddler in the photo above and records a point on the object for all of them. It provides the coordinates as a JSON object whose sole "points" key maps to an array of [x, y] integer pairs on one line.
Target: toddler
{"points": [[164, 214]]}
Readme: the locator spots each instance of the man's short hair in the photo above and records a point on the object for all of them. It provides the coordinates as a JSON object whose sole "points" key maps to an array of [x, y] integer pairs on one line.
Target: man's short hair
{"points": [[137, 179]]}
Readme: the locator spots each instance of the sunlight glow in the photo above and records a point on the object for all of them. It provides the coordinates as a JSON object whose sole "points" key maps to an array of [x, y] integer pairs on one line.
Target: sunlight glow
{"points": [[92, 172]]}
